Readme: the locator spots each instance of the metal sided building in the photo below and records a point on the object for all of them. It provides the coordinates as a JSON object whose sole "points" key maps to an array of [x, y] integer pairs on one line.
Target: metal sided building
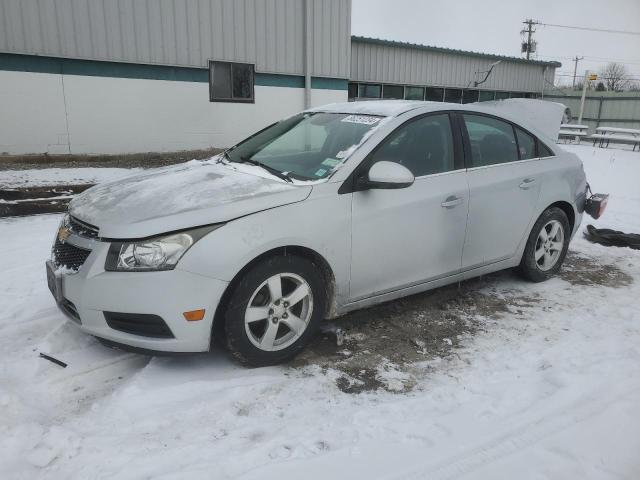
{"points": [[387, 69], [117, 76], [125, 76]]}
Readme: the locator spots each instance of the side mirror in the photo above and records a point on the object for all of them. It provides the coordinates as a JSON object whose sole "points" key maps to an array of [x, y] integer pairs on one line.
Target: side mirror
{"points": [[387, 175]]}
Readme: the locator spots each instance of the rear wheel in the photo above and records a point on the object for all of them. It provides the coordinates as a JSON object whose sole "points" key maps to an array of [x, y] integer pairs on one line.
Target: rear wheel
{"points": [[275, 310], [547, 246]]}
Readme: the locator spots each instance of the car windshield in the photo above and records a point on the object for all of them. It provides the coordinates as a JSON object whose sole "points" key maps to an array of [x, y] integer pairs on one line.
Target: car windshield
{"points": [[308, 146]]}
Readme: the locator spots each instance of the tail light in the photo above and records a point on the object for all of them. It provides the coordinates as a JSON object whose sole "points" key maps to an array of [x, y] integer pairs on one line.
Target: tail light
{"points": [[596, 204]]}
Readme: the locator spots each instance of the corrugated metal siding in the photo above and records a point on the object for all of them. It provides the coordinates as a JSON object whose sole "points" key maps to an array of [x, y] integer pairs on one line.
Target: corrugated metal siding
{"points": [[613, 110], [371, 62], [269, 33]]}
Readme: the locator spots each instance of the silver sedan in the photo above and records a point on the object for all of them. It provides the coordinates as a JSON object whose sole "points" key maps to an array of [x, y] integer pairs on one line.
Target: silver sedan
{"points": [[330, 210]]}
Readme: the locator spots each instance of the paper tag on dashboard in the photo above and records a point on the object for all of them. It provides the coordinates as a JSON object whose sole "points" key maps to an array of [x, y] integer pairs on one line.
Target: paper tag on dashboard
{"points": [[363, 119], [330, 162]]}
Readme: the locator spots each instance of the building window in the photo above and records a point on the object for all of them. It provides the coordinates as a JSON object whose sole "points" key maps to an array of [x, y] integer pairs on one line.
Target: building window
{"points": [[502, 95], [453, 95], [366, 90], [521, 95], [393, 91], [434, 94], [231, 82], [469, 96], [353, 90], [414, 93], [486, 95]]}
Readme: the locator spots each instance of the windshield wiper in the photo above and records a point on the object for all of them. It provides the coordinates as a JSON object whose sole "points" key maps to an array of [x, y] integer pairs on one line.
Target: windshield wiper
{"points": [[225, 155], [269, 169]]}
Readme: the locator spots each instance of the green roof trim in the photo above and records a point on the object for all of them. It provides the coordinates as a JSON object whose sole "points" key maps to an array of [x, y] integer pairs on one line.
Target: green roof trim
{"points": [[97, 68], [451, 51], [297, 81], [277, 80]]}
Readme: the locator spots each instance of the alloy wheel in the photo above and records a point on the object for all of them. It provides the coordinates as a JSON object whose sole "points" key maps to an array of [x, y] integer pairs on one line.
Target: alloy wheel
{"points": [[549, 245], [278, 311]]}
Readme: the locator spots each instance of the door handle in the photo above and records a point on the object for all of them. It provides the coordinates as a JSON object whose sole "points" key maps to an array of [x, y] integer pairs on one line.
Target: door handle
{"points": [[527, 183], [452, 201]]}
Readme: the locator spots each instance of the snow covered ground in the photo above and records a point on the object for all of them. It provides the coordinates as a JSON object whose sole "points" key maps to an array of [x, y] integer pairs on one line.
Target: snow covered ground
{"points": [[548, 387]]}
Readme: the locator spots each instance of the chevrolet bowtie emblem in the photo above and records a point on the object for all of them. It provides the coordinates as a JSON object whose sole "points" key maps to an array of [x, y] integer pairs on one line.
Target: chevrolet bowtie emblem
{"points": [[63, 233]]}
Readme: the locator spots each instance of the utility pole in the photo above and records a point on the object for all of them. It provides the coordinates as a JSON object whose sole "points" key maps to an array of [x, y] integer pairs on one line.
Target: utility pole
{"points": [[584, 94], [576, 59], [529, 46]]}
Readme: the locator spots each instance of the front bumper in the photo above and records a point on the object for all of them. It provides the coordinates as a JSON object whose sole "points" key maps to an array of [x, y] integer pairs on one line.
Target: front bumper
{"points": [[91, 291]]}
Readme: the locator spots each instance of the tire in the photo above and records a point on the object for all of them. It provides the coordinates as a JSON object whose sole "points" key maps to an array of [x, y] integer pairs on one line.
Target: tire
{"points": [[550, 252], [250, 337]]}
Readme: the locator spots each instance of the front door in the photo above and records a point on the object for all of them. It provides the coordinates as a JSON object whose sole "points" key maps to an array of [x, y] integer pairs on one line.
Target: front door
{"points": [[408, 236]]}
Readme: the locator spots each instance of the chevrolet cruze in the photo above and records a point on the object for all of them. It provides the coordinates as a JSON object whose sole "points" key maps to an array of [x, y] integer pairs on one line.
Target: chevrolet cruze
{"points": [[334, 209]]}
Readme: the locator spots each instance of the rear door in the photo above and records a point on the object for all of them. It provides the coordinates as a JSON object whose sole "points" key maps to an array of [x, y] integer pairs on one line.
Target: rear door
{"points": [[504, 186], [406, 236]]}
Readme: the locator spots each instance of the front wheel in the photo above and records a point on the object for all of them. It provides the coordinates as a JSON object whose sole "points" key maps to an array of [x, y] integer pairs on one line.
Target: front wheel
{"points": [[547, 246], [275, 310]]}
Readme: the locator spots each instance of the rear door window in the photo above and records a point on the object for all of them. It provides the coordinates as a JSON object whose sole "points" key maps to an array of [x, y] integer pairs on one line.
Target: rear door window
{"points": [[492, 140]]}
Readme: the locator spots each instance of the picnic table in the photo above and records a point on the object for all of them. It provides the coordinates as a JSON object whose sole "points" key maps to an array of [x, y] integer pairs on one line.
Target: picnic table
{"points": [[606, 135], [570, 131]]}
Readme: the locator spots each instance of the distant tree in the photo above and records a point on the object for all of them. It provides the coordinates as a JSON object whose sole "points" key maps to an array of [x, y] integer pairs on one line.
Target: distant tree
{"points": [[600, 87], [615, 76], [634, 86]]}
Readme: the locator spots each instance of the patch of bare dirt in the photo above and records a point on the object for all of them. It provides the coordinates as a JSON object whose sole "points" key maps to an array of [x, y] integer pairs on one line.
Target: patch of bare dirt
{"points": [[128, 160], [381, 347], [376, 347], [35, 200], [582, 270]]}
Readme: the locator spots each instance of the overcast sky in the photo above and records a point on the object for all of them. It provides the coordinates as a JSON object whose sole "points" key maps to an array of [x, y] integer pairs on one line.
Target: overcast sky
{"points": [[493, 26]]}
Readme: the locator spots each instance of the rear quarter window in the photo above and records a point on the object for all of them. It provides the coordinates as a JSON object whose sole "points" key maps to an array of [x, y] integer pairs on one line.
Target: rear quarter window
{"points": [[526, 144], [544, 151]]}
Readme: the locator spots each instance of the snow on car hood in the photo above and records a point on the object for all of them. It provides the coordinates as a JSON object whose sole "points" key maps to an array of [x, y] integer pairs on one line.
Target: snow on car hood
{"points": [[188, 195]]}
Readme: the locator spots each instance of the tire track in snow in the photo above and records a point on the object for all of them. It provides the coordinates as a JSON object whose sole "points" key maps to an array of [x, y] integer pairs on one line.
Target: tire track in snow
{"points": [[518, 438]]}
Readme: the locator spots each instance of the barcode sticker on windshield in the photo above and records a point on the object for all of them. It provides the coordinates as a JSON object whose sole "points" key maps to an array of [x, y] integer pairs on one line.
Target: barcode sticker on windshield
{"points": [[320, 172], [363, 119]]}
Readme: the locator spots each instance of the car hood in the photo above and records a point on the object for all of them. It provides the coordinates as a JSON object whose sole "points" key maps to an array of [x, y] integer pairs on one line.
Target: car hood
{"points": [[183, 196]]}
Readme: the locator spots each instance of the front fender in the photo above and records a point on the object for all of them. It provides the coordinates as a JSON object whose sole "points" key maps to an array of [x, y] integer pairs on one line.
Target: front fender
{"points": [[321, 223]]}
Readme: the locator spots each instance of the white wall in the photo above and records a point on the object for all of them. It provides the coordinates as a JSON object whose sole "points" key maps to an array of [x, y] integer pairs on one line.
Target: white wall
{"points": [[120, 115], [32, 117]]}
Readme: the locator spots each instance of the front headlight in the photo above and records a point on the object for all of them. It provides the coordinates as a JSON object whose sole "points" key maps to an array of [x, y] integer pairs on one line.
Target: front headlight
{"points": [[158, 253]]}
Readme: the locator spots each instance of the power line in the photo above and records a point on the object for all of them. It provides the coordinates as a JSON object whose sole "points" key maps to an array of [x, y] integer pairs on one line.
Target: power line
{"points": [[588, 57], [632, 62], [626, 77], [590, 29]]}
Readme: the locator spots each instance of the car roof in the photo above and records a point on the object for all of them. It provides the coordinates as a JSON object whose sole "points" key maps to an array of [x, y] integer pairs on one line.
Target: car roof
{"points": [[538, 116], [385, 108], [392, 108]]}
